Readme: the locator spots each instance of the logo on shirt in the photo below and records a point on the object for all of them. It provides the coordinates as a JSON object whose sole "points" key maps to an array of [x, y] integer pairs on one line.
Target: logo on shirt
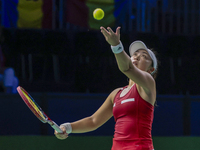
{"points": [[128, 100], [125, 101]]}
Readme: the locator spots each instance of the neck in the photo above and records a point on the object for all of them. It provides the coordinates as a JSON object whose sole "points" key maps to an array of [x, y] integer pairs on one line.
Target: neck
{"points": [[131, 83]]}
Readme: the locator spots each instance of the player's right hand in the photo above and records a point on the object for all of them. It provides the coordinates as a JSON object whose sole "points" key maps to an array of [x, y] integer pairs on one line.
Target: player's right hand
{"points": [[63, 135]]}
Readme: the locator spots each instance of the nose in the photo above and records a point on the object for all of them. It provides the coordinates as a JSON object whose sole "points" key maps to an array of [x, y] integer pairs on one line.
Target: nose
{"points": [[137, 57]]}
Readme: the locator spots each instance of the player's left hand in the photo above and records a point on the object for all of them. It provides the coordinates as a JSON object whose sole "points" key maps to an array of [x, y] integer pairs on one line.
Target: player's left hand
{"points": [[113, 38]]}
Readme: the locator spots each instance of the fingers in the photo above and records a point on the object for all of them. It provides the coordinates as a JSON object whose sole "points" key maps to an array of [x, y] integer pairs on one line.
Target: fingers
{"points": [[110, 30], [55, 132], [118, 31], [104, 32], [63, 135], [63, 128], [111, 37]]}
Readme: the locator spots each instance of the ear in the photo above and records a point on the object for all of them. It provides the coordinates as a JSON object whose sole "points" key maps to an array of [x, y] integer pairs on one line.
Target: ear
{"points": [[151, 70]]}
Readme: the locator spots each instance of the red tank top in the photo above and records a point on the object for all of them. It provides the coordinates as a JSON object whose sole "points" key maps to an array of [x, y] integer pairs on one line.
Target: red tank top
{"points": [[133, 116]]}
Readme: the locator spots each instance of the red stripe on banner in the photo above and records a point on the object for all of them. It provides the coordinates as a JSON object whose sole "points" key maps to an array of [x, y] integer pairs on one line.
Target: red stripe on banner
{"points": [[77, 12], [47, 14]]}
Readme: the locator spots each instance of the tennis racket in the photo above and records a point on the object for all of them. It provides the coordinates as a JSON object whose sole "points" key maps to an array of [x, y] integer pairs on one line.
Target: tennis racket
{"points": [[36, 109]]}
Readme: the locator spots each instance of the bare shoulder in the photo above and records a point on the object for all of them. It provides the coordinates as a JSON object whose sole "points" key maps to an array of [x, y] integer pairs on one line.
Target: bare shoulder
{"points": [[148, 95], [147, 83], [113, 94]]}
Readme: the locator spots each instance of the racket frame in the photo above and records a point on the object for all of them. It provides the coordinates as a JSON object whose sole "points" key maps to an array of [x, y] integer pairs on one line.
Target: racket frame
{"points": [[40, 115]]}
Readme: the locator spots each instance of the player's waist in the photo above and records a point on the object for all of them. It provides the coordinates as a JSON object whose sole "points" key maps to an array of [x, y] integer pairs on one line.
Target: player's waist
{"points": [[132, 136], [132, 126], [131, 130]]}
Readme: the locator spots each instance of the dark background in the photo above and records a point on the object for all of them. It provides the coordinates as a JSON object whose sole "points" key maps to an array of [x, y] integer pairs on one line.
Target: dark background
{"points": [[84, 61]]}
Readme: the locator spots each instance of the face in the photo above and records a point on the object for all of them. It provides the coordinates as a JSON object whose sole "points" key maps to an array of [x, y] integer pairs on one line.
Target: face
{"points": [[142, 60]]}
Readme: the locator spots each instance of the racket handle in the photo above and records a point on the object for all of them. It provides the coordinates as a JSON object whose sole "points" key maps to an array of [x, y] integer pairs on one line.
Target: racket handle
{"points": [[56, 127]]}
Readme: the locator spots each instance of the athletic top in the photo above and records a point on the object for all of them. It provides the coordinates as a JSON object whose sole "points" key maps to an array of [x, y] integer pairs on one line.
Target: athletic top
{"points": [[133, 116]]}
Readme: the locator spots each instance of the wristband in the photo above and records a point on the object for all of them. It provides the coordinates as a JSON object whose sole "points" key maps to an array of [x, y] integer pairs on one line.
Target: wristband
{"points": [[68, 127], [118, 48]]}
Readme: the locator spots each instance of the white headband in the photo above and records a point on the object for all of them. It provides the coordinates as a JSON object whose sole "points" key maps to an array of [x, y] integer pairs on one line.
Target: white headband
{"points": [[136, 45]]}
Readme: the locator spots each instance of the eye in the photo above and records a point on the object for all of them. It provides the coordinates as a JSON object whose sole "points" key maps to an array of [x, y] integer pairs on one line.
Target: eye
{"points": [[144, 56], [135, 54]]}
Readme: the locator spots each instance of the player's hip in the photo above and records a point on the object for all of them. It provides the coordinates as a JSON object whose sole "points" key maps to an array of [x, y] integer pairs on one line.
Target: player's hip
{"points": [[132, 145]]}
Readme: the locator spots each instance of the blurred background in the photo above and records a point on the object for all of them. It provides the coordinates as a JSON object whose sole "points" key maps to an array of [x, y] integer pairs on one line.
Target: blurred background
{"points": [[55, 50]]}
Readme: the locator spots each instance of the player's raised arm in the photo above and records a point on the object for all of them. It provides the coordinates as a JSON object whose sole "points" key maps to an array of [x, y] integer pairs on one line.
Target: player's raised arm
{"points": [[127, 64]]}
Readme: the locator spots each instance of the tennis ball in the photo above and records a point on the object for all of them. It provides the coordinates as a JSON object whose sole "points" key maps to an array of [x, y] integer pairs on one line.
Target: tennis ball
{"points": [[98, 14]]}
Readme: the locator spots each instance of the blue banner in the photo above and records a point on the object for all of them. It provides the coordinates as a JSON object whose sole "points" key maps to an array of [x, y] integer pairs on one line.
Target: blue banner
{"points": [[9, 13]]}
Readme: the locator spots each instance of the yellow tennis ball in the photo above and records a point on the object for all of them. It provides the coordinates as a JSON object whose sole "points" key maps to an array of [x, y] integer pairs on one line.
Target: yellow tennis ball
{"points": [[98, 14]]}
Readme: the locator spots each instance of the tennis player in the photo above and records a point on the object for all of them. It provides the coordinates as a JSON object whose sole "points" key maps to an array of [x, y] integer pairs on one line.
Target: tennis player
{"points": [[133, 105]]}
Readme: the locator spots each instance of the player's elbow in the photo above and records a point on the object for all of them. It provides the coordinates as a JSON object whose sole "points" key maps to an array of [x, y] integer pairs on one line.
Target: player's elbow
{"points": [[95, 123], [124, 69]]}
